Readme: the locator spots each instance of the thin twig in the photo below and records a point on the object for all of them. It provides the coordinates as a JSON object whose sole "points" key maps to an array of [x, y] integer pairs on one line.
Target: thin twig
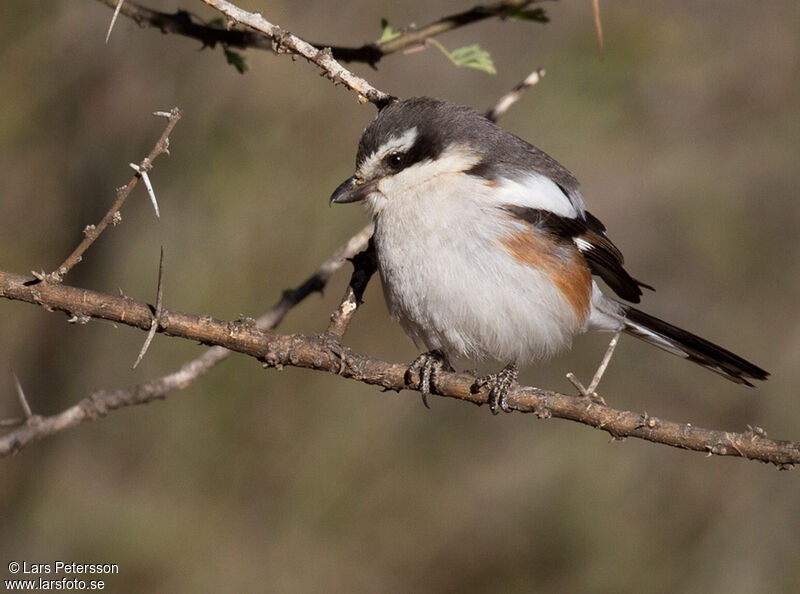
{"points": [[112, 217], [506, 101], [317, 281], [364, 266], [573, 379], [276, 350], [157, 313], [414, 36], [598, 375], [283, 41]]}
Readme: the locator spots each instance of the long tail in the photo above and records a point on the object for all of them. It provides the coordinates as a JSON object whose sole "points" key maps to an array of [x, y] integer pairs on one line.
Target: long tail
{"points": [[685, 344]]}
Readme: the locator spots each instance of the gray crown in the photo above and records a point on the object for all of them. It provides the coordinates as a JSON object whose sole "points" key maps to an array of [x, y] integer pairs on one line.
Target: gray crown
{"points": [[441, 123]]}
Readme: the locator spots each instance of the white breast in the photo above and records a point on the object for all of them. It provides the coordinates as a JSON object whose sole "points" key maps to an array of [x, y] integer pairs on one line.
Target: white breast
{"points": [[449, 281]]}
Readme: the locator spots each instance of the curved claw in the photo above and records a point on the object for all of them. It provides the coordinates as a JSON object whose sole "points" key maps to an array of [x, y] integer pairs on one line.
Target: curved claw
{"points": [[501, 384], [428, 365]]}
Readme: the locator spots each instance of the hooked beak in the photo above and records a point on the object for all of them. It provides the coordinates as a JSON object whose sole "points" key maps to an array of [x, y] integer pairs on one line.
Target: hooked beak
{"points": [[351, 190]]}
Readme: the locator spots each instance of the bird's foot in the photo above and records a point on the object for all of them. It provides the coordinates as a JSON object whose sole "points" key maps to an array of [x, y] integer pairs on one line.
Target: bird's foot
{"points": [[428, 365], [501, 383]]}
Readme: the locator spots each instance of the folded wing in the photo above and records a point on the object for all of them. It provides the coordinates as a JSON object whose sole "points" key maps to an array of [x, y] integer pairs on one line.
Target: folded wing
{"points": [[589, 236]]}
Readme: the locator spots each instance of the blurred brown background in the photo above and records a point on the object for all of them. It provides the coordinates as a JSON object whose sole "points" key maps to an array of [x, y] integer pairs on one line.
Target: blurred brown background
{"points": [[686, 141]]}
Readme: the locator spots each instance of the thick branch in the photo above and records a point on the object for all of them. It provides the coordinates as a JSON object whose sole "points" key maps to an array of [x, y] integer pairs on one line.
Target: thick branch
{"points": [[35, 427], [182, 23], [277, 351]]}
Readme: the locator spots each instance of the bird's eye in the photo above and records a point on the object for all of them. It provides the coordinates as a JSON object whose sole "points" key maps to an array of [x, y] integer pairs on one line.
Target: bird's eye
{"points": [[394, 160]]}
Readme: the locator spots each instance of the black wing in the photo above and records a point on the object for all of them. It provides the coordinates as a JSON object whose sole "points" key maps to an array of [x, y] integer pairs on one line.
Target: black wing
{"points": [[589, 236]]}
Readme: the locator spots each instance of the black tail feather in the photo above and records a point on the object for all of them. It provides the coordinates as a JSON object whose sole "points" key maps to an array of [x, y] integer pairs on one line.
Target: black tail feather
{"points": [[685, 344]]}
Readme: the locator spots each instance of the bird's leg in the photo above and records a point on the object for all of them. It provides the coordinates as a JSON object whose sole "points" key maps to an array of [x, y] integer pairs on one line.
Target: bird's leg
{"points": [[428, 365], [501, 383], [589, 392]]}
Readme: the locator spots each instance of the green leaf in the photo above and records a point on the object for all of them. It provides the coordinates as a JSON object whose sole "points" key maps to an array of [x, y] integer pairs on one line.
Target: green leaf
{"points": [[469, 56], [472, 56], [236, 60], [388, 33], [529, 14]]}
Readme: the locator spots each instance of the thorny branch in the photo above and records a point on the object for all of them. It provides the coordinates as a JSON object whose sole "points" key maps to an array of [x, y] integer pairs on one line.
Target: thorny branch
{"points": [[112, 217], [310, 352], [359, 249], [285, 42], [34, 428], [183, 23], [325, 352]]}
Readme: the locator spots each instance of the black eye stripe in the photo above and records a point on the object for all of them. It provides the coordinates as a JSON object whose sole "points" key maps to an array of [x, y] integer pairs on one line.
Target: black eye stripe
{"points": [[425, 147]]}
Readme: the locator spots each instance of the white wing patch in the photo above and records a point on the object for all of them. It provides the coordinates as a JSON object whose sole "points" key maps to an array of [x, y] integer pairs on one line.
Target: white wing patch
{"points": [[535, 191], [582, 244]]}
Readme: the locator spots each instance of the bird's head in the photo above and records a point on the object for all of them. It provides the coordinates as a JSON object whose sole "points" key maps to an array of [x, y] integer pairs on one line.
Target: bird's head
{"points": [[409, 144]]}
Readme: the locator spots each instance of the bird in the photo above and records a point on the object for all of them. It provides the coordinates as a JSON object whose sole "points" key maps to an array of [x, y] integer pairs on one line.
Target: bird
{"points": [[486, 251]]}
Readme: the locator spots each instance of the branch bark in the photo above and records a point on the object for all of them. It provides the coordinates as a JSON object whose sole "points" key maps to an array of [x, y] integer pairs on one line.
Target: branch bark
{"points": [[283, 41], [319, 353], [506, 101], [182, 23], [364, 266]]}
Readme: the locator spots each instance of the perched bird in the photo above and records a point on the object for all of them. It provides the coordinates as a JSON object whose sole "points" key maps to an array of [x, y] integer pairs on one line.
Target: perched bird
{"points": [[486, 251]]}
